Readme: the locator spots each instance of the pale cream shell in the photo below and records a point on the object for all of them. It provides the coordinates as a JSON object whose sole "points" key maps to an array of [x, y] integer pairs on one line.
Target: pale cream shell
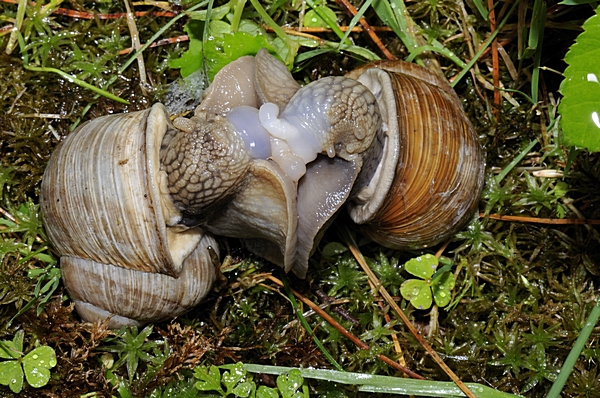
{"points": [[104, 202], [101, 291]]}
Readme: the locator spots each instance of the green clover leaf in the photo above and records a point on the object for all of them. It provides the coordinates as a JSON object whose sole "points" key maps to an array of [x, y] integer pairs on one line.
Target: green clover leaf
{"points": [[232, 379], [290, 383], [432, 285], [417, 292], [422, 266], [37, 366], [442, 286], [10, 350], [11, 375], [266, 392], [210, 379]]}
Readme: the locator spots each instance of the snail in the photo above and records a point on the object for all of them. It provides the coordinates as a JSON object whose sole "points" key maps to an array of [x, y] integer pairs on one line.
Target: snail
{"points": [[133, 202]]}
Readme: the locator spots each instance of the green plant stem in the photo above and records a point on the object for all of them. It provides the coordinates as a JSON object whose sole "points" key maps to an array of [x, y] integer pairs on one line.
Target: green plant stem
{"points": [[306, 326], [537, 59], [385, 384], [355, 20], [77, 81], [440, 50], [332, 24], [515, 161], [567, 367], [278, 31], [14, 35], [485, 45], [237, 14], [64, 75]]}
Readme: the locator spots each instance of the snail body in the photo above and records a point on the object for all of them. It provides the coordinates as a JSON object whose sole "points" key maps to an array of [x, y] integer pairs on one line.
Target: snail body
{"points": [[132, 201]]}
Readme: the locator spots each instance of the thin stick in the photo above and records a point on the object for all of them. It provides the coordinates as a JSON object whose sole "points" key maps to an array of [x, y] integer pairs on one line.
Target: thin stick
{"points": [[340, 328], [495, 61], [356, 29], [372, 277], [537, 220], [92, 15], [352, 10], [135, 43], [162, 42]]}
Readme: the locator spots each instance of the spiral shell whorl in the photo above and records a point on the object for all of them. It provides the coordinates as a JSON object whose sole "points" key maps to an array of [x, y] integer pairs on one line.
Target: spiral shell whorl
{"points": [[106, 211], [438, 175]]}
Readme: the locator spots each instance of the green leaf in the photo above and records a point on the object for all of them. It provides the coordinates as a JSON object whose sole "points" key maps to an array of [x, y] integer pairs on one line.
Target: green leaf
{"points": [[8, 350], [560, 189], [576, 2], [6, 177], [191, 60], [11, 375], [36, 365], [333, 249], [441, 288], [312, 19], [290, 383], [417, 292], [243, 389], [231, 378], [266, 392], [215, 14], [222, 51], [422, 266], [210, 379], [580, 107]]}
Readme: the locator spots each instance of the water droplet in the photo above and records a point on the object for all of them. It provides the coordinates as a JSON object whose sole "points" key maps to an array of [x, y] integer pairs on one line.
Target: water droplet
{"points": [[419, 259], [442, 294], [35, 356], [596, 119], [13, 381]]}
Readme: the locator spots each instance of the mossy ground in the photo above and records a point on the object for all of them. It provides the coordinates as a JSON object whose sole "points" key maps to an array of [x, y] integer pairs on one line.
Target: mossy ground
{"points": [[524, 290]]}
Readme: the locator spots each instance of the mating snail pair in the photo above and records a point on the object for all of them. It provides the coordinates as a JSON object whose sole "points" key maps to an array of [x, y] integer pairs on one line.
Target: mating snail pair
{"points": [[132, 201]]}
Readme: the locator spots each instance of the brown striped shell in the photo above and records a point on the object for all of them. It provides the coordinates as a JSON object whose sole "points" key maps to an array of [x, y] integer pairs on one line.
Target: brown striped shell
{"points": [[426, 181]]}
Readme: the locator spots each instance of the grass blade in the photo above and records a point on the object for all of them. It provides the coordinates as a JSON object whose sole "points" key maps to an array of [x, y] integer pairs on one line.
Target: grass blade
{"points": [[515, 161], [385, 384], [567, 367]]}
